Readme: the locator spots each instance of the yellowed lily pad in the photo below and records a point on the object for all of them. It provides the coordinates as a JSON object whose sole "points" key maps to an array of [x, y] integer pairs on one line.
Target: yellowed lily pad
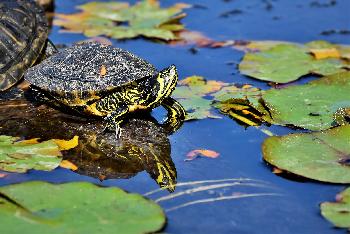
{"points": [[120, 20], [338, 212], [322, 156], [80, 208]]}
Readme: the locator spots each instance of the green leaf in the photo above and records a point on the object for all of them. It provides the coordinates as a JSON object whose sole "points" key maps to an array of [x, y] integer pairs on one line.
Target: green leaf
{"points": [[120, 20], [245, 92], [20, 156], [80, 207], [310, 106], [284, 63], [338, 212], [194, 93], [322, 156]]}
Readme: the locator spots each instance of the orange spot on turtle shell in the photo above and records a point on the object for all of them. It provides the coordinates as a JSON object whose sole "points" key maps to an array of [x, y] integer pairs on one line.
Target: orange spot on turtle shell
{"points": [[103, 70]]}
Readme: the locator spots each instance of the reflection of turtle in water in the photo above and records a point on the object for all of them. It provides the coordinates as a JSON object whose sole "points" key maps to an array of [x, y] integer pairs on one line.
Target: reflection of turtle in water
{"points": [[100, 80], [23, 36], [144, 144]]}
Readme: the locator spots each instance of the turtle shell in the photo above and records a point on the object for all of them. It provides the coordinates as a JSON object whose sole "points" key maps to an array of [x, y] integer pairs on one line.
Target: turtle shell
{"points": [[23, 33], [89, 67]]}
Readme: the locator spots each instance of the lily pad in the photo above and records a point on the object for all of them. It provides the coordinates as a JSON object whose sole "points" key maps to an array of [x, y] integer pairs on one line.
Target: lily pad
{"points": [[120, 20], [284, 63], [40, 207], [194, 93], [338, 212], [322, 156], [310, 106], [20, 156]]}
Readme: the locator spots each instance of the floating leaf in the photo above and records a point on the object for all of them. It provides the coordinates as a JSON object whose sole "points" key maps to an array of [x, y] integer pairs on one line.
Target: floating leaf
{"points": [[192, 38], [201, 152], [120, 20], [40, 207], [244, 92], [323, 156], [285, 63], [325, 53], [191, 93], [256, 46], [343, 50], [310, 106], [197, 94], [20, 156], [67, 145], [338, 212], [68, 165]]}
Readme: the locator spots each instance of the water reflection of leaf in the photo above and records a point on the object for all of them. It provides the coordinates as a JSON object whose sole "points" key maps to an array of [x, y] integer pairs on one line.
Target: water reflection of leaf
{"points": [[120, 20], [144, 144], [50, 208]]}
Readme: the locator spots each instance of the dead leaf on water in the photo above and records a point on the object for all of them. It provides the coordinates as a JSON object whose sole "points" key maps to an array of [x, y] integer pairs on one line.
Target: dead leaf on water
{"points": [[202, 153], [325, 53], [68, 165]]}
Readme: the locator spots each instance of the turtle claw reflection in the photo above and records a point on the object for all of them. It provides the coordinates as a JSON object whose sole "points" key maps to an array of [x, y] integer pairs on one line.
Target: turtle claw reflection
{"points": [[144, 144]]}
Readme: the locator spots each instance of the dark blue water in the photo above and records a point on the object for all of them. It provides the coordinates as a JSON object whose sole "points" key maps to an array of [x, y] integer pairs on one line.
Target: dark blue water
{"points": [[296, 209]]}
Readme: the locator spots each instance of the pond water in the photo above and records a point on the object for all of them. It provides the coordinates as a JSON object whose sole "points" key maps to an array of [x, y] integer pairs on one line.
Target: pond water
{"points": [[286, 205]]}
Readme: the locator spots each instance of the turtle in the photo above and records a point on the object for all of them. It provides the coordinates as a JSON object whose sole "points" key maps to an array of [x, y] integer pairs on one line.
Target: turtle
{"points": [[23, 39], [100, 80]]}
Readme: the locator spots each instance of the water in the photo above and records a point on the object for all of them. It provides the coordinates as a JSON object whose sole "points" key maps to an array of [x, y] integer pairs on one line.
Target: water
{"points": [[296, 208]]}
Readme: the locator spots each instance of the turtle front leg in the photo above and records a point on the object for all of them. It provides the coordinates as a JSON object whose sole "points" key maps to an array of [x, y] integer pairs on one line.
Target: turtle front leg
{"points": [[115, 119], [176, 114]]}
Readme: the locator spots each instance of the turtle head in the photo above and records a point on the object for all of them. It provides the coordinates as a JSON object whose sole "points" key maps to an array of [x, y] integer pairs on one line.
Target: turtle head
{"points": [[167, 80], [163, 85]]}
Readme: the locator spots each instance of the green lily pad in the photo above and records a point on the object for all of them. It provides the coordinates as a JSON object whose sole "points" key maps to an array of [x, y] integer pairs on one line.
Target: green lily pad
{"points": [[194, 93], [120, 20], [284, 63], [310, 106], [80, 207], [322, 156], [20, 156], [245, 92], [338, 212]]}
